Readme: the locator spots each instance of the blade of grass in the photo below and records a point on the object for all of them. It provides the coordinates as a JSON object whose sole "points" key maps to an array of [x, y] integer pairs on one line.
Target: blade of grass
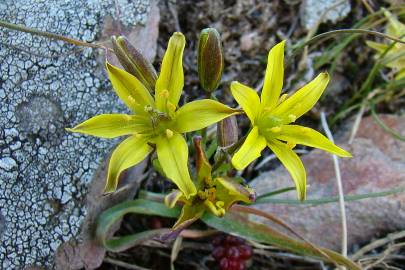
{"points": [[340, 186], [333, 199]]}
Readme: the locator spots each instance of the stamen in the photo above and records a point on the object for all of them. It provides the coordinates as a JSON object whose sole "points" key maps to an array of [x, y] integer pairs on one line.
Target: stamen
{"points": [[169, 133], [275, 129], [220, 204], [171, 107], [220, 212], [291, 145], [164, 93]]}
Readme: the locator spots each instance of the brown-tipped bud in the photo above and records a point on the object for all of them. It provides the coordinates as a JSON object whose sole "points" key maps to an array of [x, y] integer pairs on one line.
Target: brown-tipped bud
{"points": [[134, 62], [227, 131], [210, 59]]}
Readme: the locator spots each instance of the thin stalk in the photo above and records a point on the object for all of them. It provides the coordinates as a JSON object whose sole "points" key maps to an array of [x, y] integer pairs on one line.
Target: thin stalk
{"points": [[340, 187], [36, 32], [332, 33]]}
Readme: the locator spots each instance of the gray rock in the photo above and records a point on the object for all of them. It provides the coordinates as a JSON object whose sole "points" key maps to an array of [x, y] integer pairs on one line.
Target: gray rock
{"points": [[314, 11], [45, 86], [378, 164]]}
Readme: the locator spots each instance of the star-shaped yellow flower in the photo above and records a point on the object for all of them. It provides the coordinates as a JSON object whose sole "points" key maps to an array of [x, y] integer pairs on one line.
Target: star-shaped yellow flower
{"points": [[156, 122], [271, 118], [214, 194]]}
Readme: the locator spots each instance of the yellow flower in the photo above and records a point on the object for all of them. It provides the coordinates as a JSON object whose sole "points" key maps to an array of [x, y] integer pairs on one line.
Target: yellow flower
{"points": [[214, 194], [395, 58], [156, 122], [271, 117]]}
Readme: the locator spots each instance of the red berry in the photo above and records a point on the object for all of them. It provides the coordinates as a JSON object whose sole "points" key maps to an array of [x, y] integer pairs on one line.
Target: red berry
{"points": [[217, 241], [236, 265], [245, 252], [224, 264], [232, 253], [218, 253]]}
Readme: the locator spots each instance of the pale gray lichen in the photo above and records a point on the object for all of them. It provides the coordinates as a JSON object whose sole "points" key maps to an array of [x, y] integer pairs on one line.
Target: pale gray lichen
{"points": [[46, 86], [313, 11]]}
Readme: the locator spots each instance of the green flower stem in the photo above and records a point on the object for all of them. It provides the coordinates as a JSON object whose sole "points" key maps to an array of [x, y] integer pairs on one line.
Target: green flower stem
{"points": [[36, 32]]}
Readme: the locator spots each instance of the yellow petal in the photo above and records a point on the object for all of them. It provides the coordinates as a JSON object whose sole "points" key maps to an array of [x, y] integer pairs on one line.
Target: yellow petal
{"points": [[130, 90], [304, 99], [173, 156], [293, 164], [273, 80], [127, 154], [395, 27], [379, 47], [308, 136], [250, 150], [200, 114], [112, 125], [189, 214], [231, 192], [172, 198], [247, 98], [171, 76]]}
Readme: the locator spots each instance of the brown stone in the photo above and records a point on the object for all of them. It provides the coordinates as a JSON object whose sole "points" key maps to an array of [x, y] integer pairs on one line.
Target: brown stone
{"points": [[377, 165]]}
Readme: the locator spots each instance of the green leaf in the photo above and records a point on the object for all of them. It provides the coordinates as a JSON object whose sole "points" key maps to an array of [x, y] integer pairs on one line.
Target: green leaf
{"points": [[109, 217], [241, 226], [231, 223]]}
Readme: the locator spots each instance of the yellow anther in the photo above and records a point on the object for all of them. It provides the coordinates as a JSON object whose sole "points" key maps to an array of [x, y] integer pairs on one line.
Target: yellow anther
{"points": [[275, 129], [171, 107], [202, 195], [131, 99], [220, 212], [137, 135], [292, 117], [169, 133], [211, 193], [164, 93], [220, 204], [127, 117], [148, 108], [283, 98], [291, 145]]}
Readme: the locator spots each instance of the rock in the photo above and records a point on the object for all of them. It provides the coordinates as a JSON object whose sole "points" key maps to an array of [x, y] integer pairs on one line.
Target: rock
{"points": [[378, 164], [45, 86], [313, 11]]}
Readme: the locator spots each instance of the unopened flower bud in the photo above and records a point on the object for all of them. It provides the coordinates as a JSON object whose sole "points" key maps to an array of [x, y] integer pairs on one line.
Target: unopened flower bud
{"points": [[134, 62], [210, 59], [227, 131]]}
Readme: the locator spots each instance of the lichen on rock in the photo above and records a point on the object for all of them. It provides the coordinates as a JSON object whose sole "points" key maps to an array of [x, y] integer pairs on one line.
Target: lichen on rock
{"points": [[45, 86]]}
